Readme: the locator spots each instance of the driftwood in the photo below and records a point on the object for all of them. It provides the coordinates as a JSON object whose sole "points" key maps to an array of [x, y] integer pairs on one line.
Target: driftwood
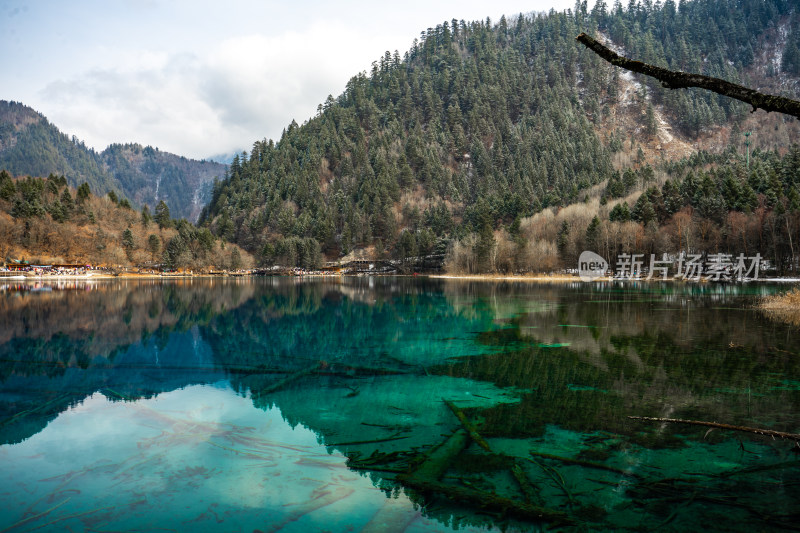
{"points": [[469, 426], [766, 432], [681, 80], [489, 501]]}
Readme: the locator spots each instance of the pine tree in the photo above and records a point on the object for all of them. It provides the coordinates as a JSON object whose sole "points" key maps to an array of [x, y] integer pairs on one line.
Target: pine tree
{"points": [[153, 245], [620, 213], [593, 233], [563, 237], [146, 216], [83, 192], [162, 217], [127, 239], [650, 123]]}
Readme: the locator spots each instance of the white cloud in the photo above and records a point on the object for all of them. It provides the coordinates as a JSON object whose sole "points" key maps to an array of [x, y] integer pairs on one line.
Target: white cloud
{"points": [[201, 85], [245, 89]]}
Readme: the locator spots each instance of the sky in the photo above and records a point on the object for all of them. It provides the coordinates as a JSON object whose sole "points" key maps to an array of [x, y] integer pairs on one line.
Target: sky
{"points": [[198, 78]]}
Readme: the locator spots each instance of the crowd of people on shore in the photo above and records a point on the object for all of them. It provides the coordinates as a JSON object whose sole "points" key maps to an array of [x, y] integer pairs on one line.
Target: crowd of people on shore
{"points": [[48, 270]]}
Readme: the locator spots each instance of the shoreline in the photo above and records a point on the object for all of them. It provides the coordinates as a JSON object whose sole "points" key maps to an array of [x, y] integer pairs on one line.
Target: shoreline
{"points": [[77, 277], [530, 278], [540, 278], [567, 278]]}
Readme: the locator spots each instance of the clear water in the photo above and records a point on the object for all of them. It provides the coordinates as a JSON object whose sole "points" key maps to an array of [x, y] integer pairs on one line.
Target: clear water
{"points": [[286, 405]]}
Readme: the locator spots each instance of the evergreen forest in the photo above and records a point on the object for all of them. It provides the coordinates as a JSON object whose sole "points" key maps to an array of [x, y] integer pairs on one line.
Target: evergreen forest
{"points": [[481, 125], [490, 146]]}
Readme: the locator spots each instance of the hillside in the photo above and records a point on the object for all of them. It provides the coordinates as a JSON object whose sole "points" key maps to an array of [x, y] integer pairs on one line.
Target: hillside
{"points": [[45, 221], [148, 175], [482, 125], [31, 146]]}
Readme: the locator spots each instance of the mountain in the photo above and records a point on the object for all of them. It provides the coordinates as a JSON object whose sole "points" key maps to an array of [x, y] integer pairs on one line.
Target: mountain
{"points": [[30, 145], [481, 125], [46, 221], [148, 175]]}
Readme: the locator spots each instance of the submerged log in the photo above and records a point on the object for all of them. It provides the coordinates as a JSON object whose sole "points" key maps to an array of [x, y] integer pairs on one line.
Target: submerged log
{"points": [[557, 478], [374, 441], [287, 380], [353, 370], [588, 464], [491, 501], [469, 426], [34, 517], [524, 483], [766, 432], [425, 477], [680, 80], [39, 408], [439, 459], [321, 498], [760, 468]]}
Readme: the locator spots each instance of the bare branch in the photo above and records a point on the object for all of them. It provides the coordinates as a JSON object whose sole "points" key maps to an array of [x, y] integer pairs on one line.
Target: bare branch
{"points": [[680, 80]]}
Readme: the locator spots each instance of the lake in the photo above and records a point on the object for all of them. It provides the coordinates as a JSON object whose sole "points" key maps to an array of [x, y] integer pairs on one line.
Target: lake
{"points": [[393, 404]]}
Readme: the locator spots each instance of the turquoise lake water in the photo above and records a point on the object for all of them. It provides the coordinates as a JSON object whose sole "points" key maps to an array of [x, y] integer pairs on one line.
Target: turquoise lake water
{"points": [[277, 404]]}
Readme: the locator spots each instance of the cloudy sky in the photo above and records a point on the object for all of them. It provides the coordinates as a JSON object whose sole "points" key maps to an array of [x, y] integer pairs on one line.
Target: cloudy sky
{"points": [[203, 78]]}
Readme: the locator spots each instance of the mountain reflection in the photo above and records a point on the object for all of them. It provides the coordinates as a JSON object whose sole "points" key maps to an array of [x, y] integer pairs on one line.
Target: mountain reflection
{"points": [[139, 338], [134, 339]]}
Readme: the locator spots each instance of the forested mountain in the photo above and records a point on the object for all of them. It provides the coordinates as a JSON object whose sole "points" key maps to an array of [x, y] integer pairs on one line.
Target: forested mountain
{"points": [[478, 122], [482, 124], [47, 221], [148, 176], [30, 145]]}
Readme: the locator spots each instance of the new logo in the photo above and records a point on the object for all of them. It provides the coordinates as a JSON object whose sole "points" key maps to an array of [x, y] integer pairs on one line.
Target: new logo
{"points": [[591, 266]]}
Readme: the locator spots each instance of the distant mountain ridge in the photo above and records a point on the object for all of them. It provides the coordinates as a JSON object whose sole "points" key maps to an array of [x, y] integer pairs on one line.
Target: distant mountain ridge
{"points": [[31, 145], [151, 175]]}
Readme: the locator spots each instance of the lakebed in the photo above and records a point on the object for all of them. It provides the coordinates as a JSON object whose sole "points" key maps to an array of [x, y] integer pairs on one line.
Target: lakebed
{"points": [[333, 403]]}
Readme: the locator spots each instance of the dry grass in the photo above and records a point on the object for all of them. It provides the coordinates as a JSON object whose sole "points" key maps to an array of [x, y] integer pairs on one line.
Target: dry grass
{"points": [[786, 301], [783, 307], [97, 239]]}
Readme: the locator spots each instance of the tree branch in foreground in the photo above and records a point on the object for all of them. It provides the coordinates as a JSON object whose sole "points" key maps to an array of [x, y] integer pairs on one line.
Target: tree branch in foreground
{"points": [[768, 432], [681, 80]]}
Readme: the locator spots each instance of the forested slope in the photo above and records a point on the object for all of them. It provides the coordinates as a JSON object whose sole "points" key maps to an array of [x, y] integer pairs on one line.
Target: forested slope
{"points": [[31, 146], [44, 220], [480, 125], [148, 175], [479, 122]]}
